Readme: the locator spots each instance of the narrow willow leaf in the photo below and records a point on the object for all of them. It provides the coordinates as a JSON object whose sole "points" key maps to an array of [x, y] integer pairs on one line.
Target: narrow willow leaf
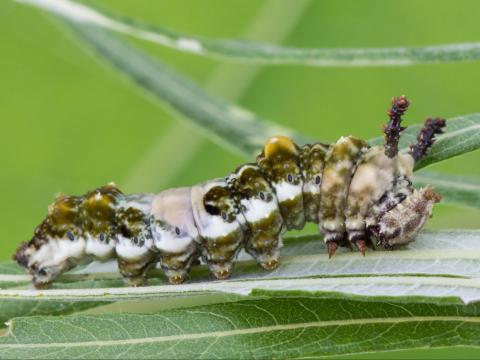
{"points": [[437, 264], [10, 268], [459, 190], [262, 53], [449, 252], [288, 327]]}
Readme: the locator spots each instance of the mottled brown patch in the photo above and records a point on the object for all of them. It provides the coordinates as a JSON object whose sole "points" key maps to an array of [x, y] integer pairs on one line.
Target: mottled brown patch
{"points": [[99, 210], [131, 223], [218, 201]]}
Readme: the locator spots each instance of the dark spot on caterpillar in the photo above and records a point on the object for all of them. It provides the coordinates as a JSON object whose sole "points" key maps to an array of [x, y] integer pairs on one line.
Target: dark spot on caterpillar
{"points": [[70, 236], [42, 272], [135, 240], [317, 179], [289, 178], [224, 215], [177, 230], [212, 210], [262, 195], [102, 237]]}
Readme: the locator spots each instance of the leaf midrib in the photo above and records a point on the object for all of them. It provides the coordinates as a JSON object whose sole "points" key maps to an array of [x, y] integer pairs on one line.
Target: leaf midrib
{"points": [[247, 331]]}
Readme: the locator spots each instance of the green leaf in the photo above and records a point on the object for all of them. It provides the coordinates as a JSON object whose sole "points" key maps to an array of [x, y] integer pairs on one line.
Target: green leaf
{"points": [[295, 326], [262, 53], [451, 252], [459, 190], [14, 307], [11, 268], [437, 264]]}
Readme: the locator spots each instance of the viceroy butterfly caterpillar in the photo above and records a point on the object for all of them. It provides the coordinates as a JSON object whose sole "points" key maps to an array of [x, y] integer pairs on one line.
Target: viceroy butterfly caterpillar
{"points": [[356, 193]]}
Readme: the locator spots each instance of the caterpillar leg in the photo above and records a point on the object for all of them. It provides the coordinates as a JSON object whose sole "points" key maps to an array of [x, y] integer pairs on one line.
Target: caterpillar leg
{"points": [[360, 239], [177, 266], [265, 250], [400, 225], [134, 272], [334, 240]]}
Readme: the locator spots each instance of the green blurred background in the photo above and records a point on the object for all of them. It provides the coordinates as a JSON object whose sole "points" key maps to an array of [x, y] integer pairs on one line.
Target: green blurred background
{"points": [[70, 123]]}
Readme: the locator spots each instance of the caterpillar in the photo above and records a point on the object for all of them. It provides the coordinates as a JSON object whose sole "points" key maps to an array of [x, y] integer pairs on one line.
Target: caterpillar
{"points": [[359, 195]]}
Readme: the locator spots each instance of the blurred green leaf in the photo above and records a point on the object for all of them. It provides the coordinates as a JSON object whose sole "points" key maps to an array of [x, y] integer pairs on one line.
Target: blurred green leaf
{"points": [[459, 190], [256, 328], [231, 125], [263, 53]]}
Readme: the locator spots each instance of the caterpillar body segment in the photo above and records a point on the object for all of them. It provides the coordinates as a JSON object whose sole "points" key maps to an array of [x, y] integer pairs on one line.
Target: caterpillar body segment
{"points": [[312, 161], [340, 164], [175, 234], [279, 164], [134, 243], [359, 195], [259, 205], [220, 225]]}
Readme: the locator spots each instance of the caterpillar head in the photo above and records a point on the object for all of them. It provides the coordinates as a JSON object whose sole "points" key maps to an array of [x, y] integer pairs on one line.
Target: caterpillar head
{"points": [[56, 242]]}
